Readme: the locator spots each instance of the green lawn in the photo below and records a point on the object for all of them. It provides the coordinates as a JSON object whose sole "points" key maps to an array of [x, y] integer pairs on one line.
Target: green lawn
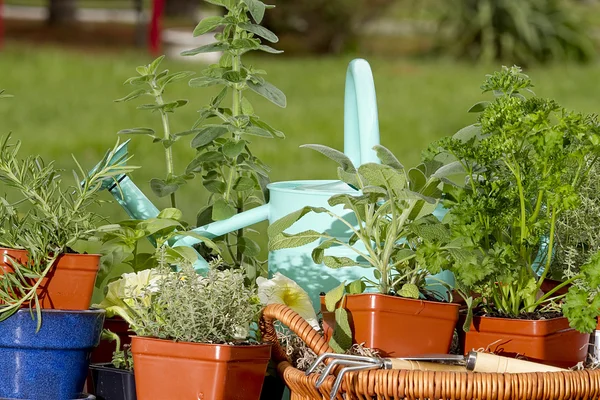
{"points": [[63, 104]]}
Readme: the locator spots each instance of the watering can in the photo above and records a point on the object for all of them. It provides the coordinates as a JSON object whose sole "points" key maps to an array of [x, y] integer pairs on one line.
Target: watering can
{"points": [[361, 134]]}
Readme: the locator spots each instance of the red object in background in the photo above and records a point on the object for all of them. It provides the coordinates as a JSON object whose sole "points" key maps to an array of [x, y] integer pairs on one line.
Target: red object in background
{"points": [[1, 24], [158, 7]]}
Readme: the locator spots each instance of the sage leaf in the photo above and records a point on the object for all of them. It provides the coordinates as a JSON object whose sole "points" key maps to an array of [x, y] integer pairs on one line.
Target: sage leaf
{"points": [[233, 149], [468, 132], [269, 92], [204, 216], [388, 158], [243, 183], [154, 65], [154, 225], [269, 49], [207, 24], [356, 287], [334, 296], [283, 223], [288, 241], [214, 186], [341, 339], [133, 95], [339, 262], [259, 30], [479, 107], [409, 290], [334, 155], [222, 210], [170, 213], [205, 81], [208, 134]]}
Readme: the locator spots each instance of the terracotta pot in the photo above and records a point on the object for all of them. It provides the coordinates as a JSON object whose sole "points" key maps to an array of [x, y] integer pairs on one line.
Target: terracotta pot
{"points": [[165, 369], [549, 284], [396, 326], [68, 285], [549, 341]]}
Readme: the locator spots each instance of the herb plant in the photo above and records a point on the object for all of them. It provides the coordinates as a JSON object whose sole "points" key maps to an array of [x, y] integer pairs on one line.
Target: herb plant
{"points": [[183, 305], [235, 178], [151, 82], [524, 161], [48, 218], [122, 357], [390, 234]]}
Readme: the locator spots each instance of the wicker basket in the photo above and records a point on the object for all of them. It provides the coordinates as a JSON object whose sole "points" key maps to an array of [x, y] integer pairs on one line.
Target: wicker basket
{"points": [[412, 385]]}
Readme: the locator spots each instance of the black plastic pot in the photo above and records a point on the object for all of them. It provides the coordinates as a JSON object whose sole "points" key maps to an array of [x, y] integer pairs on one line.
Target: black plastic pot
{"points": [[111, 383]]}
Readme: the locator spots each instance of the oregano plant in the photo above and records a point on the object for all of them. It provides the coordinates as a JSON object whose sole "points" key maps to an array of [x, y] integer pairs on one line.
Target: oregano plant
{"points": [[151, 82], [234, 176]]}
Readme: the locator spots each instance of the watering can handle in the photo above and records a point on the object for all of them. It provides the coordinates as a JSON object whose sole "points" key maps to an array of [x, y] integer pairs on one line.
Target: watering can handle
{"points": [[361, 124]]}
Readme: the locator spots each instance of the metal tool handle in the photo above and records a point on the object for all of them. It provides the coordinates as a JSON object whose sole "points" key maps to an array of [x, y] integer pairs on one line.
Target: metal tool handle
{"points": [[398, 363], [486, 362]]}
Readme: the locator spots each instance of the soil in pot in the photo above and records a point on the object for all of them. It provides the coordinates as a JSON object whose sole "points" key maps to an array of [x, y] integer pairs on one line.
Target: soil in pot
{"points": [[548, 341], [165, 369], [110, 383], [69, 284], [395, 326]]}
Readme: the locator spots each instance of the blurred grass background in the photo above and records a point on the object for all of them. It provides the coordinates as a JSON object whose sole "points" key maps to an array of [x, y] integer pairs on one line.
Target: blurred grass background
{"points": [[64, 105]]}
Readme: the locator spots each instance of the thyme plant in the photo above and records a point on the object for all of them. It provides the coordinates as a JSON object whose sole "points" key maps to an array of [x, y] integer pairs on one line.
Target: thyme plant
{"points": [[234, 176], [524, 162], [49, 219]]}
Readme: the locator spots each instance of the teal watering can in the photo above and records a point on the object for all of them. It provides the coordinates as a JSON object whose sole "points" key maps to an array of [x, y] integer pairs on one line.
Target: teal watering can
{"points": [[361, 134]]}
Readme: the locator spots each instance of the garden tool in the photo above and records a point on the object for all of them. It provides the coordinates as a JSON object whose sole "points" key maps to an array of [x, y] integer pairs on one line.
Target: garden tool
{"points": [[475, 361], [361, 134]]}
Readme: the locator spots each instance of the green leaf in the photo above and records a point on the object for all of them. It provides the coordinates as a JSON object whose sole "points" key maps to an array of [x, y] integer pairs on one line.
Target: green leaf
{"points": [[383, 176], [174, 77], [207, 134], [205, 81], [186, 133], [222, 210], [170, 213], [259, 31], [356, 287], [257, 9], [234, 76], [204, 216], [283, 223], [207, 24], [319, 251], [247, 107], [256, 131], [248, 246], [261, 124], [137, 131], [479, 107], [468, 132], [334, 155], [269, 92], [388, 158], [269, 49], [409, 290], [243, 183], [417, 179], [341, 340], [133, 95], [179, 253], [233, 149], [214, 186], [334, 296], [161, 188], [154, 225], [452, 169], [211, 156], [207, 48], [154, 65], [339, 262], [289, 241]]}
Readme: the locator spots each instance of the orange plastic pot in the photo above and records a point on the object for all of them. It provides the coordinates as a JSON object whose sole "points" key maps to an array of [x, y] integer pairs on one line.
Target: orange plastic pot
{"points": [[549, 341], [396, 326], [165, 369], [68, 285]]}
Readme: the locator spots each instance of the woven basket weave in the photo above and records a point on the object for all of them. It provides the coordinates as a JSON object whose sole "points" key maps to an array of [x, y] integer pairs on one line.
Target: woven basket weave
{"points": [[413, 385]]}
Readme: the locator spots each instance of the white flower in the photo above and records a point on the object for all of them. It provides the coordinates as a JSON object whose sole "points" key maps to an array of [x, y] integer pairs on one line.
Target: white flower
{"points": [[282, 290]]}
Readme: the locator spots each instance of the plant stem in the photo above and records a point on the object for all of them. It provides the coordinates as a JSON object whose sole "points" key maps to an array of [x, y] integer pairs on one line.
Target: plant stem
{"points": [[168, 151]]}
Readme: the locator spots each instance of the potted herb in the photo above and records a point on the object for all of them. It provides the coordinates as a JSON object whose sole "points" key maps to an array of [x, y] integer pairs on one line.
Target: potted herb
{"points": [[43, 277], [519, 169], [390, 221], [114, 380], [193, 333]]}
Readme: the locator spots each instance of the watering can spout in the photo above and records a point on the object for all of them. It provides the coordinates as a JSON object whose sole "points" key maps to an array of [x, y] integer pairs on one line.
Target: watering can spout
{"points": [[125, 192]]}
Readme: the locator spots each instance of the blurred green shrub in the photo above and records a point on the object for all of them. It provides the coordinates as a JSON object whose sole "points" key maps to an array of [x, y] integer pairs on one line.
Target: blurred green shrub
{"points": [[322, 26], [516, 31]]}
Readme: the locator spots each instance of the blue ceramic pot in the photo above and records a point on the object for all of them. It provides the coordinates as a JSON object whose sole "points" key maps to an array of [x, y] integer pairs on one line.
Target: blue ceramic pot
{"points": [[51, 364]]}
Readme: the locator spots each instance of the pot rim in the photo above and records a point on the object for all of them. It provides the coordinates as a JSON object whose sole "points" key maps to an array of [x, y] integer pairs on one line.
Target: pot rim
{"points": [[197, 343], [5, 249], [454, 305], [54, 311], [546, 320]]}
